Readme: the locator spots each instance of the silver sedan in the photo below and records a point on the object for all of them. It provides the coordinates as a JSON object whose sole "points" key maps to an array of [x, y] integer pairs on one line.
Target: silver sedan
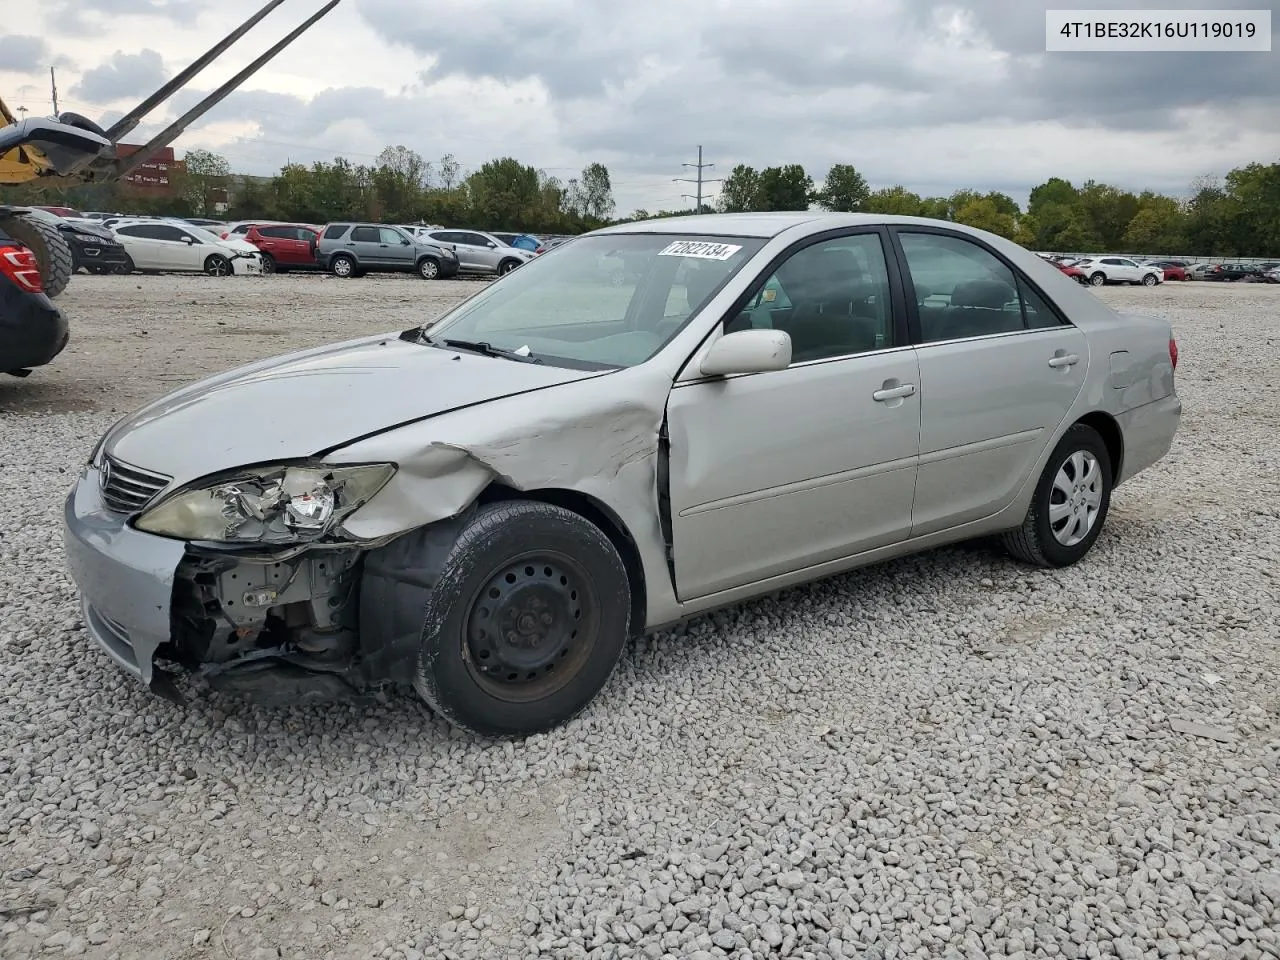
{"points": [[484, 509]]}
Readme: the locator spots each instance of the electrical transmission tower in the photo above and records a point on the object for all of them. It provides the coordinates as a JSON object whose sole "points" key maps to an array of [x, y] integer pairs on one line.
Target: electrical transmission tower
{"points": [[699, 179]]}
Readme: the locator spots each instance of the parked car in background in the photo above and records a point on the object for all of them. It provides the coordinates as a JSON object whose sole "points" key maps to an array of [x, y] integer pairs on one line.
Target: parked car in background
{"points": [[487, 507], [1100, 270], [62, 212], [32, 330], [285, 247], [213, 226], [95, 248], [550, 243], [1197, 271], [1227, 272], [1173, 269], [353, 249], [1068, 266], [165, 246], [481, 253], [239, 228], [521, 241], [1272, 275]]}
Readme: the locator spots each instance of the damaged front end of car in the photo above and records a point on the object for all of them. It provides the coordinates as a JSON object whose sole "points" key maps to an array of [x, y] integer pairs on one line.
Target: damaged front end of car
{"points": [[266, 600]]}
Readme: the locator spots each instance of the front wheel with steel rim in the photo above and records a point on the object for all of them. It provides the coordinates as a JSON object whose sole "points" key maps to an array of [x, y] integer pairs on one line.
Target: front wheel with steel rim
{"points": [[1098, 279], [217, 266], [526, 622], [1069, 505], [428, 269], [1149, 280], [343, 266]]}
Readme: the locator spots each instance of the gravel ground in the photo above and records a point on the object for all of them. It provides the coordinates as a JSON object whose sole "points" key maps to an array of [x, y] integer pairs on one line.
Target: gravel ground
{"points": [[946, 756]]}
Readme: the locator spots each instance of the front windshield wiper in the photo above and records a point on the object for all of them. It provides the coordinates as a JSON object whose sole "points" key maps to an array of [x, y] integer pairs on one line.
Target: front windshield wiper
{"points": [[481, 346]]}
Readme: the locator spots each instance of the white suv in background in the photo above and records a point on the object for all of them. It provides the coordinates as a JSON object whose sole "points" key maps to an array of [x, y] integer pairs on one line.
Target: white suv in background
{"points": [[1100, 270], [480, 252]]}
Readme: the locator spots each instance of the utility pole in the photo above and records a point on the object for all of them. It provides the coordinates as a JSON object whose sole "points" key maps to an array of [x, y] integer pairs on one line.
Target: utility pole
{"points": [[699, 180], [53, 84]]}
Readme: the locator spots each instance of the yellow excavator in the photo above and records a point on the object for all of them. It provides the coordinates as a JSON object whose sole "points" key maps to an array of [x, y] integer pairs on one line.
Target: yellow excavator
{"points": [[71, 150]]}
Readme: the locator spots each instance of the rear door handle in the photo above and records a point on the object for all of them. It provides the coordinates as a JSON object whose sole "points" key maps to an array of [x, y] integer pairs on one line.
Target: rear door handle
{"points": [[894, 393], [1069, 360]]}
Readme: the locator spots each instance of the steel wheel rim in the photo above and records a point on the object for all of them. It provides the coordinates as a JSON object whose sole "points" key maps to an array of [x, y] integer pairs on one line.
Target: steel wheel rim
{"points": [[1075, 499], [533, 637]]}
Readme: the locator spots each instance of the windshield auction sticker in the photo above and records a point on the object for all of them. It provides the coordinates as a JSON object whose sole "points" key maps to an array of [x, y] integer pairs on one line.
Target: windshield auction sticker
{"points": [[700, 250], [1135, 31]]}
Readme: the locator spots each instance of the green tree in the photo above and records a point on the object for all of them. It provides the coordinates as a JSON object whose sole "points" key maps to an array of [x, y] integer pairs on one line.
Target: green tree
{"points": [[205, 177], [399, 178], [895, 201], [1157, 227], [740, 191], [983, 213], [784, 188], [844, 190], [503, 193], [596, 192]]}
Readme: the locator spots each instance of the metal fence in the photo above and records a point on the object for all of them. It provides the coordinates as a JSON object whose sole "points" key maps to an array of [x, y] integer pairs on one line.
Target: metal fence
{"points": [[1189, 260]]}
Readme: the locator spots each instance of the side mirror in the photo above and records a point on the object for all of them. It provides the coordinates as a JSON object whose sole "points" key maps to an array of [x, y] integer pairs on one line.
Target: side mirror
{"points": [[491, 245], [189, 241], [747, 351]]}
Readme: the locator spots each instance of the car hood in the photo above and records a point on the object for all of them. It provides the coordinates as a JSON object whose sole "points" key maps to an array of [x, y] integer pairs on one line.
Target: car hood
{"points": [[302, 404], [239, 246]]}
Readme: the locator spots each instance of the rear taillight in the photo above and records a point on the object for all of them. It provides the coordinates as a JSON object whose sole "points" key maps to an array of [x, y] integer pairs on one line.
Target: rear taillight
{"points": [[20, 266], [1173, 352]]}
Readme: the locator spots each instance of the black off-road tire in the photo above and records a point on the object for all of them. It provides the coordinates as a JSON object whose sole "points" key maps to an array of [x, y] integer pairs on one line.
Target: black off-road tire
{"points": [[1033, 542], [51, 250], [526, 544]]}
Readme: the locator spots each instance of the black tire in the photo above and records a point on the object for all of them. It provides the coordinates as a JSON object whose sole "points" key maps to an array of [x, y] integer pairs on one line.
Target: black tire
{"points": [[429, 268], [1149, 280], [342, 266], [216, 265], [82, 122], [506, 266], [1035, 541], [268, 263], [51, 250], [126, 267], [541, 560], [1097, 279]]}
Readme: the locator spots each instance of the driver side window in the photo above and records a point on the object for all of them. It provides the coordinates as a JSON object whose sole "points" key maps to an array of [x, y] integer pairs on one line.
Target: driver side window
{"points": [[831, 298]]}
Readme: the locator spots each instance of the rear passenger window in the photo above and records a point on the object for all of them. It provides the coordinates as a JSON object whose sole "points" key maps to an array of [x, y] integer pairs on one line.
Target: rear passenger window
{"points": [[335, 231], [1037, 313], [365, 234], [961, 289]]}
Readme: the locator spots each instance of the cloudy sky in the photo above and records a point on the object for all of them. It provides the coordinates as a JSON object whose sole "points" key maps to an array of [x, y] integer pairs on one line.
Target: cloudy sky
{"points": [[929, 94]]}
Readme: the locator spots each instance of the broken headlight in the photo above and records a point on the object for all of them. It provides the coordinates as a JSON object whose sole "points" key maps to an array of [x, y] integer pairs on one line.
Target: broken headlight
{"points": [[272, 505]]}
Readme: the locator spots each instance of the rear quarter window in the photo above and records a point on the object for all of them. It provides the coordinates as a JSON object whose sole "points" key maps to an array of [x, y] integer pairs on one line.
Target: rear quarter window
{"points": [[334, 231]]}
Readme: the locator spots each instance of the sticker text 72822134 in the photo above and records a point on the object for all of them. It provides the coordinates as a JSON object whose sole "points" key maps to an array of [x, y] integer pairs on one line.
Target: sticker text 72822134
{"points": [[700, 249]]}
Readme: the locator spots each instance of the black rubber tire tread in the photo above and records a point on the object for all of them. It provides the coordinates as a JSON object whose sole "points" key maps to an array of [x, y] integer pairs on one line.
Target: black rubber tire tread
{"points": [[80, 120], [51, 250], [1033, 542], [213, 258], [506, 266], [496, 531], [422, 264]]}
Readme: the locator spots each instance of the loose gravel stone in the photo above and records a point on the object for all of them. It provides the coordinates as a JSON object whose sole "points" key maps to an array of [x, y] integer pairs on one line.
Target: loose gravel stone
{"points": [[947, 756]]}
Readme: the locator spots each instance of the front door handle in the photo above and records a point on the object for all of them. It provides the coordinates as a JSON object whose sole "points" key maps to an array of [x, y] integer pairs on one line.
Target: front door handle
{"points": [[894, 393], [1064, 361]]}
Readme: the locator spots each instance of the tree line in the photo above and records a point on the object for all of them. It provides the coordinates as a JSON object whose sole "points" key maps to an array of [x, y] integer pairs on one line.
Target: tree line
{"points": [[1236, 216], [400, 187]]}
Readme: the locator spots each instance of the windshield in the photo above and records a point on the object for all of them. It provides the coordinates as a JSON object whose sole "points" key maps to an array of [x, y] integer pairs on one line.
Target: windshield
{"points": [[208, 236], [600, 301]]}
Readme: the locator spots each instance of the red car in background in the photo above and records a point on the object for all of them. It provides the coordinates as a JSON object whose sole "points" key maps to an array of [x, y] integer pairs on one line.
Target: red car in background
{"points": [[1068, 267], [285, 246], [1173, 269]]}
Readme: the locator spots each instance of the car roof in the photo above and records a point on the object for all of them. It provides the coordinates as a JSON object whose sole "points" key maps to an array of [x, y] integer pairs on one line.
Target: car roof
{"points": [[770, 224]]}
